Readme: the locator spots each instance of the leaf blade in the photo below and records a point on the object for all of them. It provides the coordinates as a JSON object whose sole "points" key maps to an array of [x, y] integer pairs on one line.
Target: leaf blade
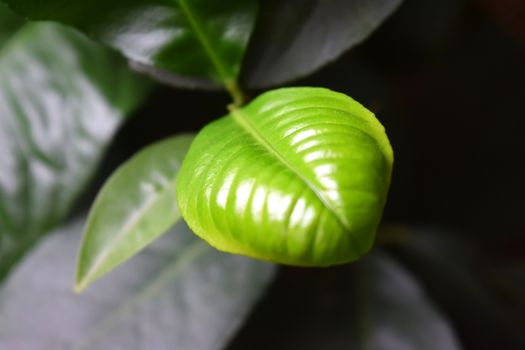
{"points": [[51, 145], [9, 23], [398, 312], [201, 39], [457, 281], [375, 303], [294, 38], [265, 196], [145, 209], [161, 299]]}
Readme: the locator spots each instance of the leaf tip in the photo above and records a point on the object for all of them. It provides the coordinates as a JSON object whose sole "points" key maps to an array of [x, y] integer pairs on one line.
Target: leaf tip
{"points": [[79, 288], [81, 283], [82, 279]]}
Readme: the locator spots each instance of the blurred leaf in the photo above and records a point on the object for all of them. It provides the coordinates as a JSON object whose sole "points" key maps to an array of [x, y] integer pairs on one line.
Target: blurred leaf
{"points": [[374, 304], [178, 294], [450, 266], [299, 176], [136, 205], [61, 99], [201, 39], [9, 23], [395, 313], [293, 38]]}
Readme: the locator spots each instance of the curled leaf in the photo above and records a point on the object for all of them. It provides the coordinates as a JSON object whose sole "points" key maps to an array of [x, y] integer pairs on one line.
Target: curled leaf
{"points": [[299, 176]]}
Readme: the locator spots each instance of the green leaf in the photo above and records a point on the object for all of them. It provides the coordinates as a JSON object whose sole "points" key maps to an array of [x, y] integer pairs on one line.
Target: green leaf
{"points": [[61, 99], [136, 205], [395, 313], [177, 294], [200, 39], [299, 176], [296, 37], [9, 23]]}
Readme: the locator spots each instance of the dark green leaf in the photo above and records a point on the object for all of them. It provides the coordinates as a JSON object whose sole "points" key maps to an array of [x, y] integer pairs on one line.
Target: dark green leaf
{"points": [[200, 39], [178, 294], [9, 23], [299, 176], [395, 313], [295, 37], [61, 99], [136, 205]]}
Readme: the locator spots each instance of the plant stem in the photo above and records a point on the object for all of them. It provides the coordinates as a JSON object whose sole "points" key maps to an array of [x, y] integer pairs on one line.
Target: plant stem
{"points": [[235, 92]]}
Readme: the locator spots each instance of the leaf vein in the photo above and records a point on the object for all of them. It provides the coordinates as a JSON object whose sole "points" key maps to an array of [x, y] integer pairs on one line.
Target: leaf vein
{"points": [[192, 252], [245, 124], [202, 38]]}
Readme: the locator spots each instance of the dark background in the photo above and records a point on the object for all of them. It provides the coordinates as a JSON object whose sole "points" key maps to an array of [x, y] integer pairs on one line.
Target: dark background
{"points": [[447, 79]]}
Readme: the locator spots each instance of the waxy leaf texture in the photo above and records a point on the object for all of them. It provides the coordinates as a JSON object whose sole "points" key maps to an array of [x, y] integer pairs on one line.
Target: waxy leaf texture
{"points": [[299, 176]]}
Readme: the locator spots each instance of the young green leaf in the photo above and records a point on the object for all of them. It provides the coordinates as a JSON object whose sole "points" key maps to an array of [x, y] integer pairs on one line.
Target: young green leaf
{"points": [[62, 97], [199, 39], [299, 176], [179, 293], [136, 205]]}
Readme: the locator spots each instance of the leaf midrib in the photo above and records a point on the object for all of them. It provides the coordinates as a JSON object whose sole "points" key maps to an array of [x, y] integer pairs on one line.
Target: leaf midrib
{"points": [[203, 40], [192, 252], [121, 235], [240, 118]]}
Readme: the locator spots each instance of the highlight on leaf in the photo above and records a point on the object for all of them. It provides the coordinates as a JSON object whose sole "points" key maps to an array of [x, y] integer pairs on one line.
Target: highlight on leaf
{"points": [[299, 176]]}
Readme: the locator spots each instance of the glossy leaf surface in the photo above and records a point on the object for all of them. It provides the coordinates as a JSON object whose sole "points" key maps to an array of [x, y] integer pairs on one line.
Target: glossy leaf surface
{"points": [[295, 37], [299, 176], [201, 39], [136, 205], [177, 294], [61, 99]]}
